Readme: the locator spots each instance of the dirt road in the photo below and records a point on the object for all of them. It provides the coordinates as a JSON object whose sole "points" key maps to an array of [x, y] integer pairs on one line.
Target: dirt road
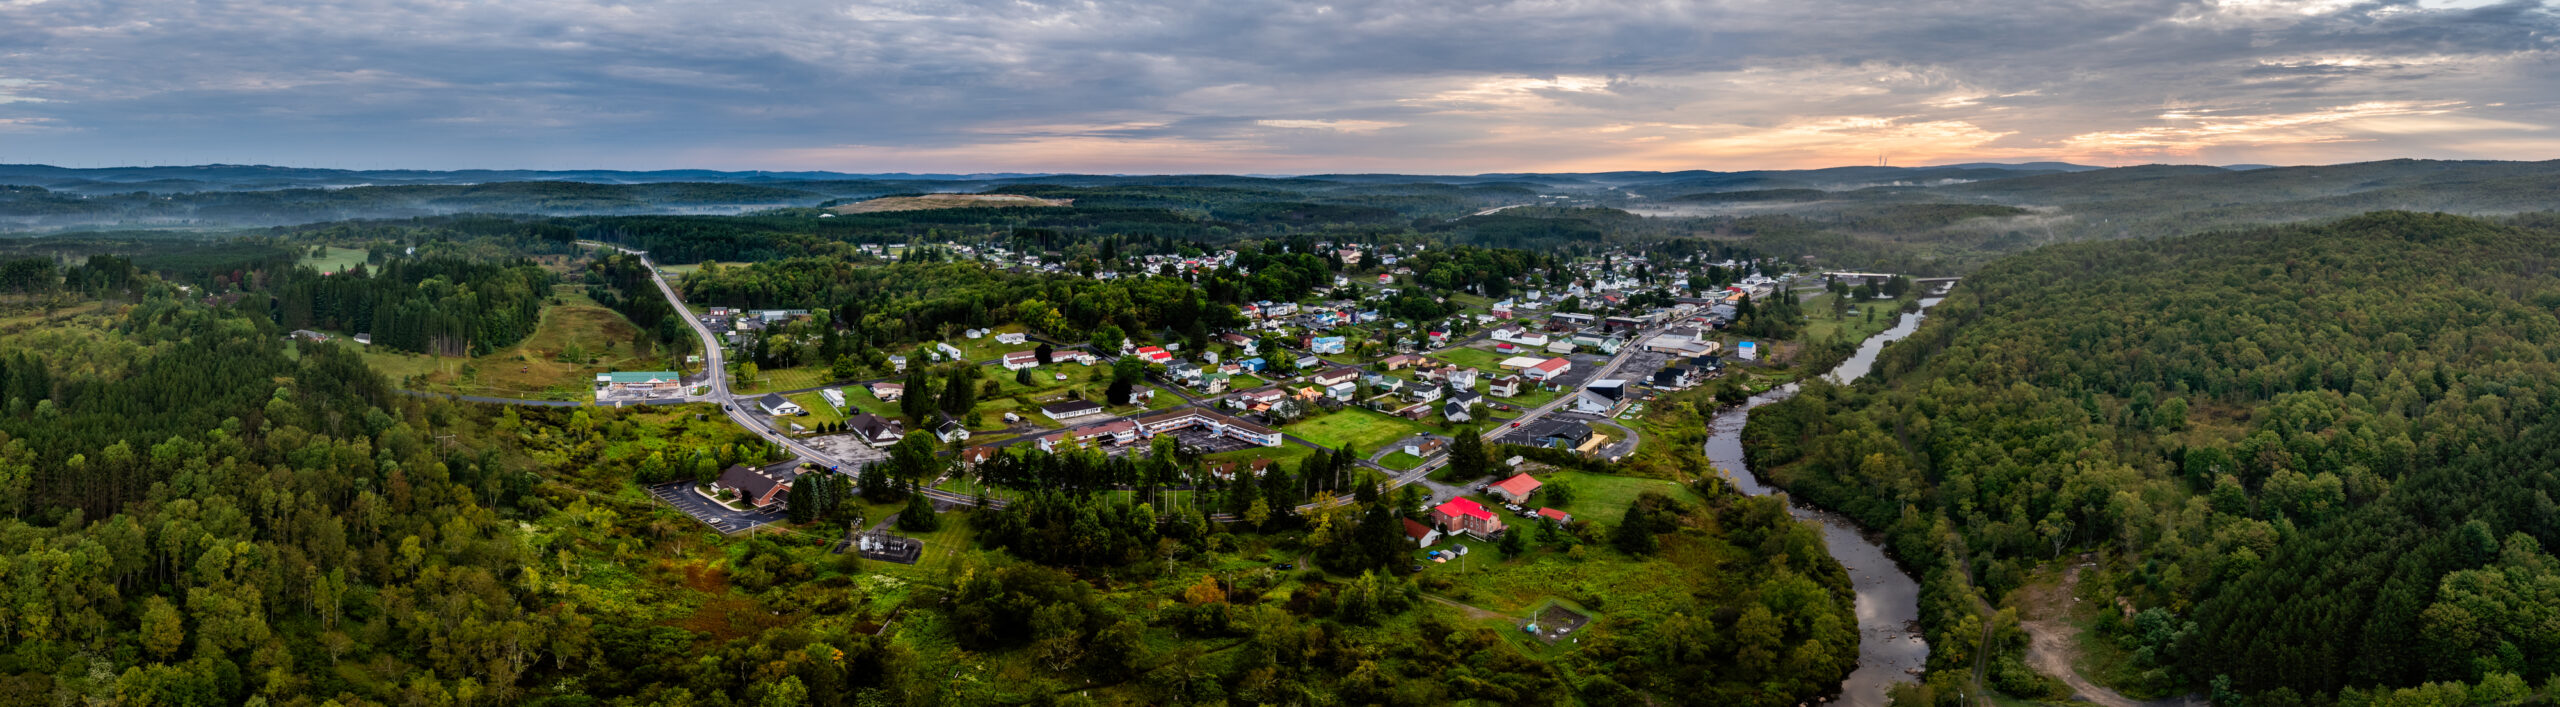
{"points": [[2052, 643]]}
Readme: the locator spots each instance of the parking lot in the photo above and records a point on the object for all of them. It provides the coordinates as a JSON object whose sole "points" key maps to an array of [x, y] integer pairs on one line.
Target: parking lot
{"points": [[847, 449], [1208, 442], [721, 518]]}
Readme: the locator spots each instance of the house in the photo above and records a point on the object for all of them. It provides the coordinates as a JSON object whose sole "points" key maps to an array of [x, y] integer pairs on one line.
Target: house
{"points": [[888, 392], [1307, 362], [974, 456], [1226, 471], [759, 487], [1748, 350], [1386, 279], [1506, 348], [1463, 515], [1070, 409], [1020, 360], [1012, 338], [834, 398], [1421, 535], [1601, 397], [1521, 363], [1154, 354], [946, 352], [1520, 336], [1675, 377], [1215, 383], [1328, 345], [1560, 347], [1342, 391], [1548, 370], [1669, 343], [1077, 355], [1385, 383], [1622, 324], [1438, 337], [1569, 321], [951, 431], [1559, 517], [1337, 375], [1466, 397], [1551, 432], [1429, 447], [1258, 398], [1502, 309], [652, 383], [775, 404], [1455, 411], [1252, 365], [875, 430], [1461, 378], [1423, 393], [1280, 309], [1399, 361], [1505, 387], [1515, 489], [898, 363]]}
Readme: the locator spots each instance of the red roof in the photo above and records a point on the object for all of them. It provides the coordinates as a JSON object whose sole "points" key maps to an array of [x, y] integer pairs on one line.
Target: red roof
{"points": [[1556, 515], [1518, 486], [1463, 507], [1551, 365], [1415, 530]]}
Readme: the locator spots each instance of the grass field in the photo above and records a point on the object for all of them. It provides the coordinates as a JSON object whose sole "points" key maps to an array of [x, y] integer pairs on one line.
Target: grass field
{"points": [[1471, 357], [532, 369], [1871, 317], [1400, 461], [676, 271], [338, 259], [1603, 498], [1364, 430]]}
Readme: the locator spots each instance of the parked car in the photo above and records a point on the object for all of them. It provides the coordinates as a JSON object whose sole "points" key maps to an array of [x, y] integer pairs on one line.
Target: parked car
{"points": [[1284, 566]]}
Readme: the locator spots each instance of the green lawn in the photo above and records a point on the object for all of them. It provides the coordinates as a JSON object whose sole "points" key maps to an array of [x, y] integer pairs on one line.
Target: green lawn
{"points": [[1400, 461], [1286, 455], [1604, 498], [1871, 317], [1471, 357], [338, 259], [985, 347], [1363, 429]]}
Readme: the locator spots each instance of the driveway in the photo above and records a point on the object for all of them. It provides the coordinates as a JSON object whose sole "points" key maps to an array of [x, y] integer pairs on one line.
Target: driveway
{"points": [[721, 518]]}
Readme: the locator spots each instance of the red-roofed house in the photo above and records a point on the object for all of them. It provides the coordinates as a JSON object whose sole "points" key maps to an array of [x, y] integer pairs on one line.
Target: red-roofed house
{"points": [[1421, 535], [1155, 354], [1560, 517], [1461, 515], [1515, 489]]}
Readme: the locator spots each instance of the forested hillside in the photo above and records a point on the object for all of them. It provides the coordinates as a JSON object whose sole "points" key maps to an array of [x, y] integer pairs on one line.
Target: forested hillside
{"points": [[2319, 459]]}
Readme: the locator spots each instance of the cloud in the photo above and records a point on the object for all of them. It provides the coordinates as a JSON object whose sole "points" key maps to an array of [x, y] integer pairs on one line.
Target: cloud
{"points": [[1273, 85]]}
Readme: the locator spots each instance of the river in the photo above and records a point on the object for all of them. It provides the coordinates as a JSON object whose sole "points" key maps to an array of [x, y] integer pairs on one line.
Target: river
{"points": [[1888, 598]]}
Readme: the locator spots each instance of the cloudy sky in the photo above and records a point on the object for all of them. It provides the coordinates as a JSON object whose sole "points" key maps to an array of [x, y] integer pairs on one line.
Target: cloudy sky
{"points": [[1272, 86]]}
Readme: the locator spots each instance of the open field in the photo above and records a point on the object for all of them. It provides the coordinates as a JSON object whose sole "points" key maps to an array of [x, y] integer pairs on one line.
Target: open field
{"points": [[1471, 357], [1604, 498], [538, 368], [944, 201], [338, 259], [1871, 316], [1364, 430]]}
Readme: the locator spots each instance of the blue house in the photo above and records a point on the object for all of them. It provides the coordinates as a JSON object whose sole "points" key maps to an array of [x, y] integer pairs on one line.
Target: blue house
{"points": [[1252, 364]]}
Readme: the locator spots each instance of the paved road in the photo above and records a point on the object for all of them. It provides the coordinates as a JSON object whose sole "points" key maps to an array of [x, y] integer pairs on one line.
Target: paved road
{"points": [[721, 518], [1625, 353]]}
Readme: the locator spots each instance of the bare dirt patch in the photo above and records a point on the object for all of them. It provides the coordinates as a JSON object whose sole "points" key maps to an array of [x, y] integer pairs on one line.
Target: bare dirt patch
{"points": [[944, 201], [2053, 641]]}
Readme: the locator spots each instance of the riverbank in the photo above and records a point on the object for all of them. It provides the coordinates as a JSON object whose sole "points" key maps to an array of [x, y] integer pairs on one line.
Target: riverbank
{"points": [[1890, 647]]}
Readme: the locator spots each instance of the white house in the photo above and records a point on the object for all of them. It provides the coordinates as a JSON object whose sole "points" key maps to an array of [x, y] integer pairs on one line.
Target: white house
{"points": [[1013, 337], [1019, 360], [775, 404]]}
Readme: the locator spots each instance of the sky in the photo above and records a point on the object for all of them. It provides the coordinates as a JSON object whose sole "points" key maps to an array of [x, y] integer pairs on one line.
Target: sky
{"points": [[1272, 86]]}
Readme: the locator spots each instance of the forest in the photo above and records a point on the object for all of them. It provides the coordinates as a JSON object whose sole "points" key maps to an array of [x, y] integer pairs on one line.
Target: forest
{"points": [[2316, 458]]}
